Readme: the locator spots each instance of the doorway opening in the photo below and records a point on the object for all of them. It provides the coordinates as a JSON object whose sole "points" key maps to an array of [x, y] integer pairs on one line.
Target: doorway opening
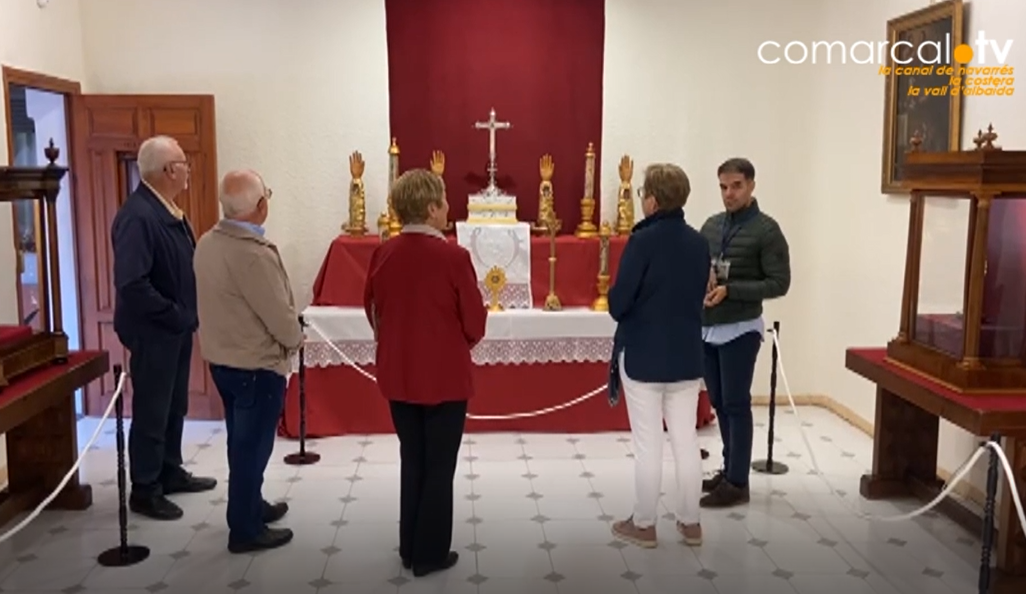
{"points": [[39, 114]]}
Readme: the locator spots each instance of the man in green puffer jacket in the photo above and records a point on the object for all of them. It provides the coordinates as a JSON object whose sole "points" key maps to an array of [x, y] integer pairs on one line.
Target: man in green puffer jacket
{"points": [[750, 264]]}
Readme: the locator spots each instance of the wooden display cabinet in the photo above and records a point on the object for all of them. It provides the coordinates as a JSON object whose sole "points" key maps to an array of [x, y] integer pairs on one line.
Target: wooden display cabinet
{"points": [[963, 311], [49, 345]]}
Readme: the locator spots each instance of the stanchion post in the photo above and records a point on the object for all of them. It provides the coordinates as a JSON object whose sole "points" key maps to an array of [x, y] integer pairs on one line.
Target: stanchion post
{"points": [[124, 554], [769, 466], [302, 457], [988, 516]]}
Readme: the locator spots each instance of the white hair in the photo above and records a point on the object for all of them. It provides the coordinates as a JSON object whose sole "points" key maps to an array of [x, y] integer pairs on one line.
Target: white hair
{"points": [[154, 155], [239, 193]]}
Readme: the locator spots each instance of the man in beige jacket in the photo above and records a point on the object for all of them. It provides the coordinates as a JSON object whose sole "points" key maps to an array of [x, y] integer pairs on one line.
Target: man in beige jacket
{"points": [[249, 330]]}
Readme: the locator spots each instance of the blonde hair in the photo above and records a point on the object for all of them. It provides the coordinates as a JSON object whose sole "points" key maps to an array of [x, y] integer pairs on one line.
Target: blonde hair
{"points": [[413, 192], [668, 184]]}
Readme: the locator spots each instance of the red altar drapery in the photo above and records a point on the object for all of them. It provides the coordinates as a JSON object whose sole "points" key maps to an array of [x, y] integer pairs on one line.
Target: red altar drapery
{"points": [[539, 63], [340, 280]]}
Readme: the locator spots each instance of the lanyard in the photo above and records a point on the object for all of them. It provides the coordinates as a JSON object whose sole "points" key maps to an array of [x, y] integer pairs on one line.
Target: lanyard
{"points": [[729, 231]]}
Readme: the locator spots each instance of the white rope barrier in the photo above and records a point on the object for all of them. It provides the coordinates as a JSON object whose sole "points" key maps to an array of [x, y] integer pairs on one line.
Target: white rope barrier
{"points": [[955, 480], [74, 467], [520, 415], [958, 477]]}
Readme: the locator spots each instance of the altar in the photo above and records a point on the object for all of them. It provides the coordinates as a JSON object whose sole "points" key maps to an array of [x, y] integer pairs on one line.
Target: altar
{"points": [[529, 367]]}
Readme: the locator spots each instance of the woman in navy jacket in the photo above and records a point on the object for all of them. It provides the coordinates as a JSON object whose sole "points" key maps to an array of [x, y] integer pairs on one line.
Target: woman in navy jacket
{"points": [[657, 301]]}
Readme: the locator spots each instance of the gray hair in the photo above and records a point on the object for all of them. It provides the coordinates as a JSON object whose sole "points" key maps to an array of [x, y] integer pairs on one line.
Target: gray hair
{"points": [[240, 192], [155, 154]]}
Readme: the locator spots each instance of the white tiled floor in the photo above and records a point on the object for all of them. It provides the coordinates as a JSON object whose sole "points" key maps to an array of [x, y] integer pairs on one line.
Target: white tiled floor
{"points": [[533, 514]]}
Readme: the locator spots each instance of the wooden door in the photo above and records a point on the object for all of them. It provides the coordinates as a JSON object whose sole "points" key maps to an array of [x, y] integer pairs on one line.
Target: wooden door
{"points": [[106, 133]]}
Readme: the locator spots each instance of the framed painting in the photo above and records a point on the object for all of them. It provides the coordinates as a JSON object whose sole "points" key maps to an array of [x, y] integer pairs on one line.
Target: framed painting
{"points": [[917, 97]]}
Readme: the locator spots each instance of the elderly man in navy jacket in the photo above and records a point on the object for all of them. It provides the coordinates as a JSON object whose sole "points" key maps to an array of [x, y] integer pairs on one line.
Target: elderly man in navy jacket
{"points": [[155, 318], [657, 301]]}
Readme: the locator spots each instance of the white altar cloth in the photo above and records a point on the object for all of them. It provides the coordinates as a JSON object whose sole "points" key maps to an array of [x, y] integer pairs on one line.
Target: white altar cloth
{"points": [[512, 337], [506, 246]]}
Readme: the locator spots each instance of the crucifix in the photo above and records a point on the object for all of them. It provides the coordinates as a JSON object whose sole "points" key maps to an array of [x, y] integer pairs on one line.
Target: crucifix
{"points": [[492, 125]]}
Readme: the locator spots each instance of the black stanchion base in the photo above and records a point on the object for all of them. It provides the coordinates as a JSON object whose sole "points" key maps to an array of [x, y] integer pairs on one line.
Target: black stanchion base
{"points": [[302, 458], [123, 557], [767, 467]]}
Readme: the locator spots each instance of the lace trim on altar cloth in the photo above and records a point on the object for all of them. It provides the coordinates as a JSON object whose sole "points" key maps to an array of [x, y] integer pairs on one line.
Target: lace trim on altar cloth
{"points": [[492, 352], [512, 296]]}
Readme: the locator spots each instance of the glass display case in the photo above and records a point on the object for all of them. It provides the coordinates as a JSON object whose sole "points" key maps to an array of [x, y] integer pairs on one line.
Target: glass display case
{"points": [[963, 313]]}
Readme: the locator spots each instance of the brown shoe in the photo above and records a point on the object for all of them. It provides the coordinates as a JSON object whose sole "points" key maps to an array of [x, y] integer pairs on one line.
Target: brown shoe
{"points": [[725, 495], [692, 533], [643, 537], [709, 485]]}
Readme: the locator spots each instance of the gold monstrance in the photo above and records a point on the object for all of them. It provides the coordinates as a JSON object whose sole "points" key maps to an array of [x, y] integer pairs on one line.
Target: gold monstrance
{"points": [[437, 165], [357, 223], [601, 302], [546, 201], [495, 281], [625, 198], [394, 226], [552, 300], [586, 228]]}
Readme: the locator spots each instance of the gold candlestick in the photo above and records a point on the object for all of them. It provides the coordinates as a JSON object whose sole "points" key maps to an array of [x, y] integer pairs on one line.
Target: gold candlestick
{"points": [[625, 198], [357, 223], [601, 302], [383, 226], [546, 204], [586, 228], [552, 300], [394, 226], [495, 280]]}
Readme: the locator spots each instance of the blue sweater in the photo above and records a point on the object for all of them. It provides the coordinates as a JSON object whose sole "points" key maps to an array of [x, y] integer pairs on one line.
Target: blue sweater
{"points": [[153, 275], [657, 300]]}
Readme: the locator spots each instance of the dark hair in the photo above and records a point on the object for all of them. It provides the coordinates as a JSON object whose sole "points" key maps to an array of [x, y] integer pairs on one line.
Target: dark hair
{"points": [[738, 165], [668, 184]]}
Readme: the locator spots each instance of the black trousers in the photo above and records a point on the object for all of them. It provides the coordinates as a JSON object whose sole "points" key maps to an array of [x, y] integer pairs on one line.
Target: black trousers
{"points": [[429, 445], [159, 369]]}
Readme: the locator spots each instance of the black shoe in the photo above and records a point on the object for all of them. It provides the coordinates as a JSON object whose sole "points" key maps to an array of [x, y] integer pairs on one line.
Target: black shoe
{"points": [[271, 538], [709, 485], [156, 507], [725, 495], [185, 482], [428, 569], [274, 511], [705, 453]]}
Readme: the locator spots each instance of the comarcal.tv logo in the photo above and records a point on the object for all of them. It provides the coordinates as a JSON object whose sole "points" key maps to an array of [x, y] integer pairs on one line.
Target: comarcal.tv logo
{"points": [[980, 68]]}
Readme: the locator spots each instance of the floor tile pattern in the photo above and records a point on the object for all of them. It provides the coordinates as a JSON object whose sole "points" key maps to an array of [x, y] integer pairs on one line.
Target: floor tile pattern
{"points": [[533, 515]]}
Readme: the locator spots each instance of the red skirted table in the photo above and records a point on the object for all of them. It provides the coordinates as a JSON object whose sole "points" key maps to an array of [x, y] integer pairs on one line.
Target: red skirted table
{"points": [[344, 270], [909, 407], [529, 368], [37, 414]]}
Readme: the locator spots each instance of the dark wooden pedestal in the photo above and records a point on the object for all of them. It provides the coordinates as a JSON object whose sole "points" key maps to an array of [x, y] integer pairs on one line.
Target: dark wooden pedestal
{"points": [[37, 412], [908, 412]]}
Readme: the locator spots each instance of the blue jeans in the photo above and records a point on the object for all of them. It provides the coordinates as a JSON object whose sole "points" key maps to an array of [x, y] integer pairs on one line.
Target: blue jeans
{"points": [[729, 369], [253, 401]]}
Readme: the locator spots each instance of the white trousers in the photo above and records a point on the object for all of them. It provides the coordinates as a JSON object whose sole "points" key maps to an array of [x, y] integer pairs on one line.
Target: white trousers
{"points": [[648, 405]]}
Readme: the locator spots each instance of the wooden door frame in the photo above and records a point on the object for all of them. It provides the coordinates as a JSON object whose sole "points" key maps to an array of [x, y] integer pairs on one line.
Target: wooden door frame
{"points": [[59, 86]]}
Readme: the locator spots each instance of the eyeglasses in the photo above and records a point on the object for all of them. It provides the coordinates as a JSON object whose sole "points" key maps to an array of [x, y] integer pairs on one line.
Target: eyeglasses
{"points": [[641, 193], [268, 192]]}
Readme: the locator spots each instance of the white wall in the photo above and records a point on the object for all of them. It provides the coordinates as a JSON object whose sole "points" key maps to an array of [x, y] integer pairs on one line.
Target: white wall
{"points": [[300, 86], [47, 41]]}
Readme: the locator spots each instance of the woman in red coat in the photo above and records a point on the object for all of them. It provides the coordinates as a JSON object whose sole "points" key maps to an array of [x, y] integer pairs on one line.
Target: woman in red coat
{"points": [[427, 312]]}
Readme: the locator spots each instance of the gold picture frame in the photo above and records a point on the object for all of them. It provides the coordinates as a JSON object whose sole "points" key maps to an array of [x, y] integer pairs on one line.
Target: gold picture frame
{"points": [[938, 119]]}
